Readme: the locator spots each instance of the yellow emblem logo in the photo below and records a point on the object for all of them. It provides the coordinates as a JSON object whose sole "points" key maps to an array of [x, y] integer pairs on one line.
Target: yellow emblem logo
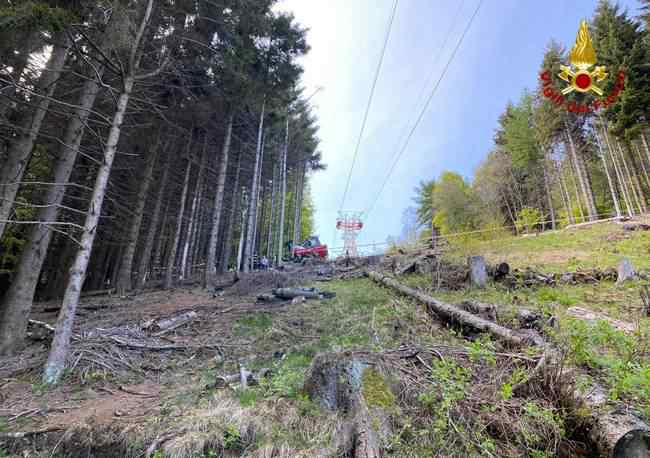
{"points": [[582, 58]]}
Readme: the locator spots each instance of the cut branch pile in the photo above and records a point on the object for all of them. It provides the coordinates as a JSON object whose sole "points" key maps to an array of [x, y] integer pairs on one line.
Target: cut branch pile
{"points": [[116, 349]]}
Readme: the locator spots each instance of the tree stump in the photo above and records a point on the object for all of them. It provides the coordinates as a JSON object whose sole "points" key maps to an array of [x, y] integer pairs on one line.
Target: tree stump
{"points": [[625, 271], [477, 271], [353, 385]]}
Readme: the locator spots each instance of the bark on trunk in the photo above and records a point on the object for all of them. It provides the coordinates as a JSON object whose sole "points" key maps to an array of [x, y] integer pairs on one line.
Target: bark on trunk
{"points": [[283, 191], [252, 210], [582, 178], [269, 236], [619, 175], [242, 231], [123, 283], [158, 255], [300, 183], [630, 180], [21, 148], [227, 247], [564, 191], [61, 342], [190, 226], [171, 259], [612, 188], [210, 263], [549, 197], [18, 299], [151, 234], [639, 155], [254, 246]]}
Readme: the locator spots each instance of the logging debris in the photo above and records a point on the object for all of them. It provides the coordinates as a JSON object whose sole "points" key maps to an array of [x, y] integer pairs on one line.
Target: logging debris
{"points": [[617, 432]]}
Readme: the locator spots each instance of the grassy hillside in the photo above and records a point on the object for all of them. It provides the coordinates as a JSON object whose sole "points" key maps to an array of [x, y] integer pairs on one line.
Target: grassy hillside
{"points": [[600, 245]]}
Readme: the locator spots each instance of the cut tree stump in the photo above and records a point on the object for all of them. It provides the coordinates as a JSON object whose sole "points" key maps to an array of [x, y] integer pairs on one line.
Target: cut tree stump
{"points": [[353, 385], [625, 271], [477, 271]]}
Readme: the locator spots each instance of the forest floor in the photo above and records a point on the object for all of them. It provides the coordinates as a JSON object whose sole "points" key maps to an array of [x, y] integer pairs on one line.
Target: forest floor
{"points": [[121, 400]]}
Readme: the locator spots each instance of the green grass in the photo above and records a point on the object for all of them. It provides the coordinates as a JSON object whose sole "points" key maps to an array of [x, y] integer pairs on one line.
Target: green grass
{"points": [[559, 250]]}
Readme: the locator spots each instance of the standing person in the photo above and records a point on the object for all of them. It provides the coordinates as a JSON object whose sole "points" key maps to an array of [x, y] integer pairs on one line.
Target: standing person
{"points": [[264, 263]]}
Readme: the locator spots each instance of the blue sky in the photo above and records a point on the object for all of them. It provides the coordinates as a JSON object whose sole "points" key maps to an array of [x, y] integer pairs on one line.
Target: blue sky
{"points": [[498, 59]]}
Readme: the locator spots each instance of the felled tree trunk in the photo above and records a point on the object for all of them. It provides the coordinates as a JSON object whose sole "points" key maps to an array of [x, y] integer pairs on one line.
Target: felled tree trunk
{"points": [[454, 314]]}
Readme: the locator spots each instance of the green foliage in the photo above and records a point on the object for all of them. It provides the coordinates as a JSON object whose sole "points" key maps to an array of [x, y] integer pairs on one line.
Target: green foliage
{"points": [[453, 203], [601, 347], [288, 376], [482, 350], [528, 220], [449, 384], [34, 15], [232, 439]]}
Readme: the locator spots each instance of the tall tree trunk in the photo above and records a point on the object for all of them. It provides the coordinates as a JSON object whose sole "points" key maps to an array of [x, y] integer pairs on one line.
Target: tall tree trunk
{"points": [[124, 278], [151, 233], [549, 197], [564, 192], [171, 260], [61, 342], [300, 184], [610, 182], [161, 242], [269, 236], [227, 247], [190, 226], [619, 175], [242, 230], [628, 176], [21, 147], [248, 253], [253, 248], [210, 263], [283, 191], [639, 155], [576, 190], [645, 145], [18, 299], [585, 186]]}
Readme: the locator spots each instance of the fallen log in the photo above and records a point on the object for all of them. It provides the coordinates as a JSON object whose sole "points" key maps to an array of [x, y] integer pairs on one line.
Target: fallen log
{"points": [[454, 314], [616, 432], [163, 325]]}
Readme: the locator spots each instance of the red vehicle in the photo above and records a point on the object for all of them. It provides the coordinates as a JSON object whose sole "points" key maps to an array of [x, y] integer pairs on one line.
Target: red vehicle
{"points": [[310, 248]]}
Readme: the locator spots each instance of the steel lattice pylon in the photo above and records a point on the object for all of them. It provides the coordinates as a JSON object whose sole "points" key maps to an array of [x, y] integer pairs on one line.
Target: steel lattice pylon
{"points": [[350, 223]]}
